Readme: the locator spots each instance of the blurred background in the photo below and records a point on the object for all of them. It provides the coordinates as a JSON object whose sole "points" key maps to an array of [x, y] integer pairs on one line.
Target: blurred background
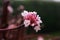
{"points": [[49, 11]]}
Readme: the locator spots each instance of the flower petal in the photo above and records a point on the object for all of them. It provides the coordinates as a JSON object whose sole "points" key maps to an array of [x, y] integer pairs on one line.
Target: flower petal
{"points": [[27, 23], [37, 28]]}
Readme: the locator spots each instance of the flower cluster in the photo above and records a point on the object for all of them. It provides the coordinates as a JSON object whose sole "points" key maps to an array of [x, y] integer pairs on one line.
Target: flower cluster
{"points": [[32, 19]]}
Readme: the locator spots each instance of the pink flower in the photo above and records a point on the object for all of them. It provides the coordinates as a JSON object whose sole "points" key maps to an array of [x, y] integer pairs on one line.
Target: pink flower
{"points": [[10, 9], [40, 38], [32, 17], [34, 20]]}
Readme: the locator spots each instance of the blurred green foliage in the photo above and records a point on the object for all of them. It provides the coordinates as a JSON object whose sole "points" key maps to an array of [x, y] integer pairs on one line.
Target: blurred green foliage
{"points": [[49, 12]]}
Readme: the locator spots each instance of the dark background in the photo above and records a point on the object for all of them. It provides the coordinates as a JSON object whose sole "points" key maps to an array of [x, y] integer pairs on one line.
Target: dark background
{"points": [[48, 11]]}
